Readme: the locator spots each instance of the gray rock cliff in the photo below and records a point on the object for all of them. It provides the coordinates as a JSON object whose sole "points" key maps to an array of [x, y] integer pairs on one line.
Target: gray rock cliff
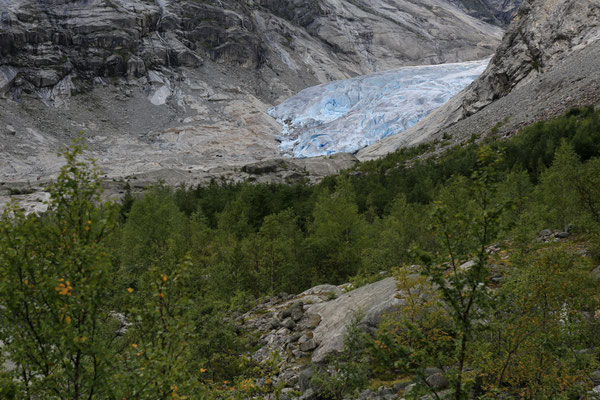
{"points": [[547, 63]]}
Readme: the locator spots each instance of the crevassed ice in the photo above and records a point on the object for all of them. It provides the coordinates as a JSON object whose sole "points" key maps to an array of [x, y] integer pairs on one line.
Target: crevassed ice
{"points": [[345, 116]]}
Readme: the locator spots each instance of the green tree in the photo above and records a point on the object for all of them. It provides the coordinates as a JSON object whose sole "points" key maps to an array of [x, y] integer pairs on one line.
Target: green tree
{"points": [[279, 244], [337, 236], [154, 227], [56, 280], [465, 222], [558, 201], [533, 348]]}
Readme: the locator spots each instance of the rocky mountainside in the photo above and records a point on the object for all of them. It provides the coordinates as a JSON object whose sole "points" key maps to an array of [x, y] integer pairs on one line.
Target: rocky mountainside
{"points": [[180, 89], [494, 11], [547, 63]]}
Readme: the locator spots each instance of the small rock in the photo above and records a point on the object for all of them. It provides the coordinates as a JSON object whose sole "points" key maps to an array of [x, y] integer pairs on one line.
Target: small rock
{"points": [[438, 381], [311, 322], [296, 312], [299, 354], [409, 388], [304, 379], [400, 386], [595, 375], [308, 345], [275, 323], [305, 338], [569, 228], [545, 233], [432, 371], [383, 391], [308, 395], [287, 393], [467, 266], [289, 323], [563, 235], [295, 337], [11, 130], [596, 273]]}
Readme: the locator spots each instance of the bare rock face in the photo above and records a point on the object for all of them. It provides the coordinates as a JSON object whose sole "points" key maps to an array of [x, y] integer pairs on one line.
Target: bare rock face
{"points": [[179, 89], [547, 63], [310, 326], [543, 34], [370, 302], [100, 38], [493, 11]]}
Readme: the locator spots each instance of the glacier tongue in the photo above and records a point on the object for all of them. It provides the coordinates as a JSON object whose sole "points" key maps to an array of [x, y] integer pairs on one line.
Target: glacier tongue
{"points": [[345, 116]]}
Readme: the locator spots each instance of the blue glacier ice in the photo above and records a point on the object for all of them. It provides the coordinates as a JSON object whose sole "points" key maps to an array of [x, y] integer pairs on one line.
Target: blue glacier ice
{"points": [[345, 116]]}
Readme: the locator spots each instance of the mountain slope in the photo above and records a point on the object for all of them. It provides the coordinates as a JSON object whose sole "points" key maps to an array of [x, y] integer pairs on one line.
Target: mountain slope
{"points": [[166, 85], [547, 63]]}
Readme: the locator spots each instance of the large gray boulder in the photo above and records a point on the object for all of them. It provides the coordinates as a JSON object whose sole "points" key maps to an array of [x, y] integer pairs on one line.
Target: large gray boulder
{"points": [[371, 302]]}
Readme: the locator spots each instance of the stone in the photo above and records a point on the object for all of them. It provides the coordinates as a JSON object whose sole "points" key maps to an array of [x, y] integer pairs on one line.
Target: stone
{"points": [[304, 379], [595, 376], [287, 393], [289, 324], [373, 300], [327, 290], [596, 273], [308, 395], [298, 354], [563, 235], [432, 371], [275, 323], [438, 381], [308, 345], [401, 385], [467, 266], [11, 130], [295, 337], [297, 312]]}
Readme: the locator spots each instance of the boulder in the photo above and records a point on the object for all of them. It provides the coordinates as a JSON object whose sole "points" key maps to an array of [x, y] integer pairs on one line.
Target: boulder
{"points": [[371, 301], [289, 323], [308, 345], [437, 381]]}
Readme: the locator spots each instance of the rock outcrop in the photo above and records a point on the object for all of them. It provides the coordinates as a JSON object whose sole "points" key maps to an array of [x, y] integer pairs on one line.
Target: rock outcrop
{"points": [[547, 63], [308, 328], [44, 43], [494, 11]]}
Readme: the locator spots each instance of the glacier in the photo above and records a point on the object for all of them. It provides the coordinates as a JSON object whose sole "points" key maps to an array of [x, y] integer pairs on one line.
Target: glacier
{"points": [[347, 115]]}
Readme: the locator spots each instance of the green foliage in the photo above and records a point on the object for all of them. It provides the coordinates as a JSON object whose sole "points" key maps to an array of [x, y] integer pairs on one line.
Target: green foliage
{"points": [[140, 302], [56, 282], [337, 236], [347, 374], [532, 348], [154, 227]]}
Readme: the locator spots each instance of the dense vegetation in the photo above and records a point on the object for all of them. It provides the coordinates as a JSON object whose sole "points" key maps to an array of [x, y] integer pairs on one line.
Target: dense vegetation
{"points": [[137, 300]]}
